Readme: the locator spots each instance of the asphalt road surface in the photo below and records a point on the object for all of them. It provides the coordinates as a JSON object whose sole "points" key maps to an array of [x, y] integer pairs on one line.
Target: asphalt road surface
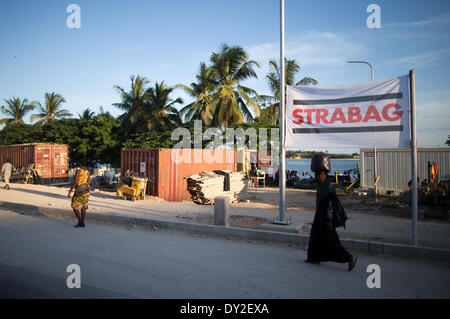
{"points": [[117, 262]]}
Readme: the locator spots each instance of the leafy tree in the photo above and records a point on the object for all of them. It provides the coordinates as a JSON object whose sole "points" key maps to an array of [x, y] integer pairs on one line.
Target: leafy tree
{"points": [[152, 139], [16, 109], [271, 113], [231, 102], [51, 109], [201, 91], [132, 102], [448, 141], [158, 112], [18, 133], [257, 126], [87, 114], [96, 140], [147, 108]]}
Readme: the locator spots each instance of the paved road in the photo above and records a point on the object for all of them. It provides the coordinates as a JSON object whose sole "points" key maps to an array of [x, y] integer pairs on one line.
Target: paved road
{"points": [[117, 262]]}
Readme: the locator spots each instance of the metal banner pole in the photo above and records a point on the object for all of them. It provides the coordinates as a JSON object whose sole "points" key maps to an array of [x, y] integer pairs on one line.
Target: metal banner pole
{"points": [[282, 169], [414, 206], [375, 172]]}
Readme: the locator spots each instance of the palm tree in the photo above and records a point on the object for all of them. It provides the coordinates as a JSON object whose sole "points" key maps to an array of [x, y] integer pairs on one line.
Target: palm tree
{"points": [[87, 114], [158, 112], [273, 78], [16, 109], [132, 102], [201, 91], [231, 103], [51, 110]]}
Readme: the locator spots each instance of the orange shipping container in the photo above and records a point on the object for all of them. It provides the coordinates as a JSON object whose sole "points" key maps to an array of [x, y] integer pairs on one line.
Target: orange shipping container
{"points": [[50, 160], [167, 169]]}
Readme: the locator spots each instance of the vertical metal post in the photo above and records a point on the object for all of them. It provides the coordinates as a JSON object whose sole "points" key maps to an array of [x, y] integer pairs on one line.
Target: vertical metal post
{"points": [[414, 206], [375, 149], [282, 169], [375, 172]]}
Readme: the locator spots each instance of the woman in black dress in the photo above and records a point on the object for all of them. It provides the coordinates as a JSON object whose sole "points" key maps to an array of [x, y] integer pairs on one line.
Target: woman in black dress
{"points": [[324, 244]]}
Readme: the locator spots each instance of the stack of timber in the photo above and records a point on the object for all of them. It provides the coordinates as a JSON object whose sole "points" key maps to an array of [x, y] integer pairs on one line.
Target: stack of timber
{"points": [[25, 175], [206, 186]]}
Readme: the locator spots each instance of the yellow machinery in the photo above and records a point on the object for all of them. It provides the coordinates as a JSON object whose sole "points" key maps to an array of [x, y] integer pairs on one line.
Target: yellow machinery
{"points": [[244, 157], [136, 191]]}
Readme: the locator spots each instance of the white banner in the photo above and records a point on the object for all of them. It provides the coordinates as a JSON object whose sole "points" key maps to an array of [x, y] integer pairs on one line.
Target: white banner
{"points": [[356, 115]]}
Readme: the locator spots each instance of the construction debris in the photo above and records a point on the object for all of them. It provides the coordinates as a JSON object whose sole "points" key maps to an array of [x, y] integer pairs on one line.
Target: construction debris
{"points": [[206, 186]]}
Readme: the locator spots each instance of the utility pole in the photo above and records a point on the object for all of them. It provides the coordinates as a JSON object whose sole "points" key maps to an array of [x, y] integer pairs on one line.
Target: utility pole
{"points": [[414, 205], [282, 170], [375, 171]]}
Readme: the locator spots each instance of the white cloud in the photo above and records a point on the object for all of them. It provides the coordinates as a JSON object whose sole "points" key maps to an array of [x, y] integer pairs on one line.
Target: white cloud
{"points": [[311, 48], [431, 58], [438, 19]]}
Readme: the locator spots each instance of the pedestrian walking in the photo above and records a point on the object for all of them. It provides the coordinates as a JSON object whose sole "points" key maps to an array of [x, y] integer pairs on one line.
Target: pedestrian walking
{"points": [[7, 170], [324, 244], [80, 198]]}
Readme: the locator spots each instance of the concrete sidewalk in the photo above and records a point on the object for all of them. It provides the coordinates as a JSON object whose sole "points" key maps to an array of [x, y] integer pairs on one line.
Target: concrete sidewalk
{"points": [[251, 235], [360, 226]]}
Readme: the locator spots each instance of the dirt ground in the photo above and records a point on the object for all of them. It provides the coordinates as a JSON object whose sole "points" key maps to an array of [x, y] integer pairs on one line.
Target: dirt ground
{"points": [[305, 200], [269, 198], [259, 206], [383, 219]]}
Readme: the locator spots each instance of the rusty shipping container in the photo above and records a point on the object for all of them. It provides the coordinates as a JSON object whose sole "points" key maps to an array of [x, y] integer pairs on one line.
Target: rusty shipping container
{"points": [[50, 160], [167, 169]]}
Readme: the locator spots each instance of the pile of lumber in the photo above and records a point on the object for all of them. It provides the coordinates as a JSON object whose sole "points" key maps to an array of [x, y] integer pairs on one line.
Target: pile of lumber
{"points": [[206, 186], [25, 175]]}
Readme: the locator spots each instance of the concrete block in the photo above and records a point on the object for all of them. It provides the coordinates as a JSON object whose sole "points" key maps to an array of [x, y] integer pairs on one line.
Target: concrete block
{"points": [[222, 211]]}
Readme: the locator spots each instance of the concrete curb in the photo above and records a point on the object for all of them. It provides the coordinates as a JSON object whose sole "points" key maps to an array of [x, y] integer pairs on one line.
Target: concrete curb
{"points": [[244, 234]]}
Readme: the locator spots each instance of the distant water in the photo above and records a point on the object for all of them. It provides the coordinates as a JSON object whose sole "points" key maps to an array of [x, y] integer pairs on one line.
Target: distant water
{"points": [[336, 165]]}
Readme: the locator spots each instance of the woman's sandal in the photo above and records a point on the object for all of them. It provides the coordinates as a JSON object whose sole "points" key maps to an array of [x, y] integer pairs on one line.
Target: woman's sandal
{"points": [[352, 265]]}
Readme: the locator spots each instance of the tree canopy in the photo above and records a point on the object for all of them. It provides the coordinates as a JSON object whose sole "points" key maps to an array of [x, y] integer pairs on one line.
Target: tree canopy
{"points": [[51, 110], [150, 112], [16, 109]]}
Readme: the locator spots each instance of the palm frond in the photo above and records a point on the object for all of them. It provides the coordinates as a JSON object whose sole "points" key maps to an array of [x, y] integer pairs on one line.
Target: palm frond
{"points": [[307, 81]]}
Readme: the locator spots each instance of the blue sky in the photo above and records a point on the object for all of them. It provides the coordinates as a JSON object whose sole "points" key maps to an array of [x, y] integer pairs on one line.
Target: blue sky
{"points": [[167, 40]]}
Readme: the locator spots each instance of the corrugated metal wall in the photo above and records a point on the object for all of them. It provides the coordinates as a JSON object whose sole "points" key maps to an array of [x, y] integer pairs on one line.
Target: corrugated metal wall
{"points": [[167, 169], [394, 166], [143, 162], [20, 155], [50, 160], [172, 182]]}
